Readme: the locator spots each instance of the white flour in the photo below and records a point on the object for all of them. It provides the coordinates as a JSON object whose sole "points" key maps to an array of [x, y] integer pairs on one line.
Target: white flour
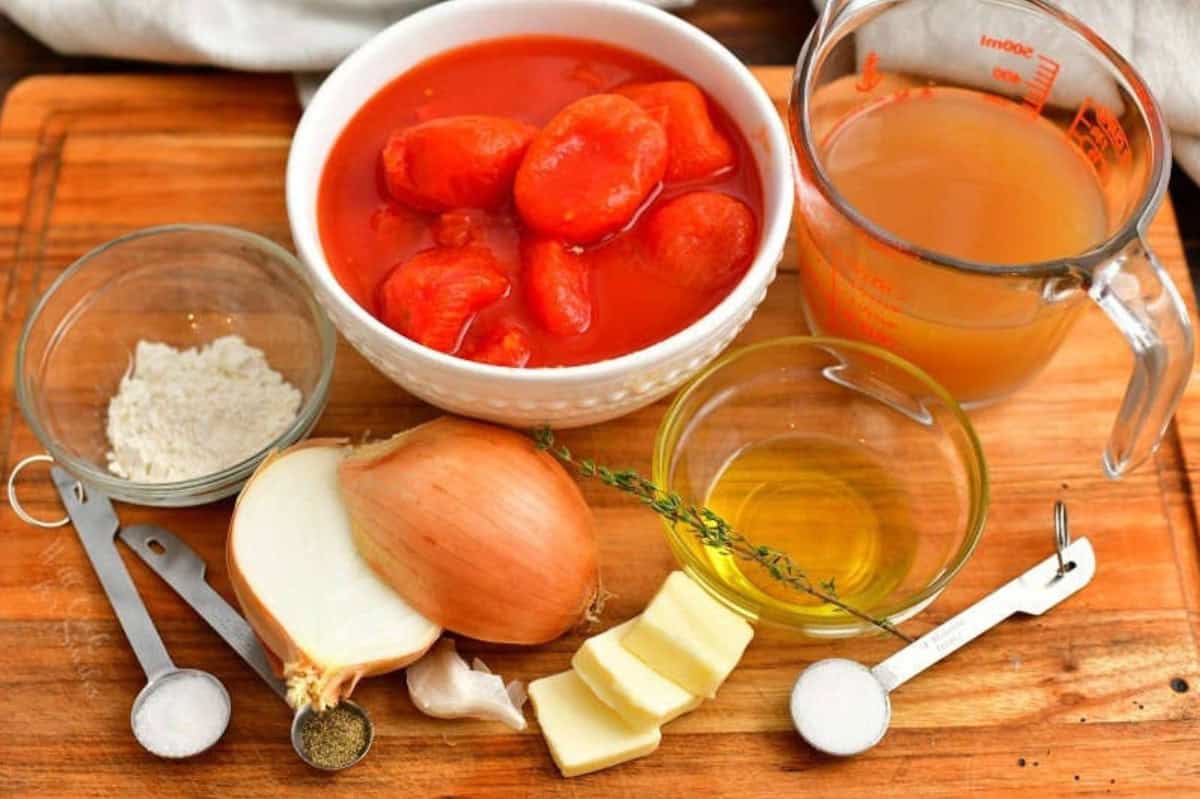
{"points": [[181, 414]]}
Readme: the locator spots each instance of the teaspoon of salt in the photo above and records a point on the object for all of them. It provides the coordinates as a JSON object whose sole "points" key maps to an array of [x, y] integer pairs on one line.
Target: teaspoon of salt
{"points": [[842, 707], [180, 712]]}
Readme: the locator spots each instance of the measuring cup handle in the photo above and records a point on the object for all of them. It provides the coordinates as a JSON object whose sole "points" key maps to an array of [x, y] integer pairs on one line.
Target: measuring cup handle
{"points": [[1137, 294]]}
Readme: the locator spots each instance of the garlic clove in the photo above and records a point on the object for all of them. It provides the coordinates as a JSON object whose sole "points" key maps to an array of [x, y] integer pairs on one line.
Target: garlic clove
{"points": [[442, 685], [516, 692]]}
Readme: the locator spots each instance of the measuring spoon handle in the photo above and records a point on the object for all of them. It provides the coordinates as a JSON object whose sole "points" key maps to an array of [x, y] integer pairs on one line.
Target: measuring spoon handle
{"points": [[96, 524], [950, 636], [1034, 592], [182, 569]]}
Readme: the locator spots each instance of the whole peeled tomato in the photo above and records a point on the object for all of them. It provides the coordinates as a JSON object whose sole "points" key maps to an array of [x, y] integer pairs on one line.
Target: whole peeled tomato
{"points": [[590, 168], [455, 162], [702, 239], [432, 297], [556, 287], [698, 149]]}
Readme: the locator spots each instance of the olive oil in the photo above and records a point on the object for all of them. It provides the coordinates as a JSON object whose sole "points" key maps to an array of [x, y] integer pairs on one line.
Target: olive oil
{"points": [[831, 505]]}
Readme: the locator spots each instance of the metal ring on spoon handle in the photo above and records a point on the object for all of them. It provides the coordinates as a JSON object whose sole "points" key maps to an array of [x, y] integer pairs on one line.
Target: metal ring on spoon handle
{"points": [[14, 501], [1062, 535]]}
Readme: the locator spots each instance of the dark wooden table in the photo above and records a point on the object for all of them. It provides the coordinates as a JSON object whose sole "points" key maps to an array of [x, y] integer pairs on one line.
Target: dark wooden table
{"points": [[758, 31]]}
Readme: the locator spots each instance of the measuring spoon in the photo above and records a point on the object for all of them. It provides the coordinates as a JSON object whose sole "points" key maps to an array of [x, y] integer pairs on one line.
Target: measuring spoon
{"points": [[842, 708], [96, 524], [182, 569]]}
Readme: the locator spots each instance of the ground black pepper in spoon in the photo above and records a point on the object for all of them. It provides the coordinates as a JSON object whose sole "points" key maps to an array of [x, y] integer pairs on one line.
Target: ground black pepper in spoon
{"points": [[336, 738]]}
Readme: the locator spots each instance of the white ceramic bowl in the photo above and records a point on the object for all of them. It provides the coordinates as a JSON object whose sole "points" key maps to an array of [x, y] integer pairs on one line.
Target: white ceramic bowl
{"points": [[562, 396]]}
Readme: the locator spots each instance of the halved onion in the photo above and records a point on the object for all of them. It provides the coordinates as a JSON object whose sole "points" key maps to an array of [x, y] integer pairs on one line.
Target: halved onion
{"points": [[306, 591], [477, 529]]}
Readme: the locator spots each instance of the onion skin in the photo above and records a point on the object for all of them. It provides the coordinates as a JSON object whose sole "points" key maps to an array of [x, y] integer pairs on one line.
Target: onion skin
{"points": [[308, 682], [476, 529]]}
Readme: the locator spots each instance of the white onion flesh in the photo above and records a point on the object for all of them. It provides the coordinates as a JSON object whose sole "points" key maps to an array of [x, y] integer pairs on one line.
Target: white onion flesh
{"points": [[309, 595]]}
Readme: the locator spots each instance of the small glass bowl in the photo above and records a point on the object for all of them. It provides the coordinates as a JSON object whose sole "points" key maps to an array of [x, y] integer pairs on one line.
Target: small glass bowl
{"points": [[910, 446], [184, 285]]}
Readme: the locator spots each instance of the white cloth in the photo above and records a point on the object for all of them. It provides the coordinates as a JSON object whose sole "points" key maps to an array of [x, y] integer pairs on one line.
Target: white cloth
{"points": [[269, 35], [1161, 38]]}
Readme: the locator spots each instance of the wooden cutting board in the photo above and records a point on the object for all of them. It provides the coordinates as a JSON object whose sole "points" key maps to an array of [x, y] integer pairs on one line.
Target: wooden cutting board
{"points": [[1077, 702]]}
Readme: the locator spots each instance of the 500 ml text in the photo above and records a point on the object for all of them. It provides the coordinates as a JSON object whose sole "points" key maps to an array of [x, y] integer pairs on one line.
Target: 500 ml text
{"points": [[1006, 45]]}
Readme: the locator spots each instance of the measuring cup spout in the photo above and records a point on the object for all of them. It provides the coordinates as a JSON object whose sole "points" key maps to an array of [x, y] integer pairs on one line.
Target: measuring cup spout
{"points": [[1139, 297]]}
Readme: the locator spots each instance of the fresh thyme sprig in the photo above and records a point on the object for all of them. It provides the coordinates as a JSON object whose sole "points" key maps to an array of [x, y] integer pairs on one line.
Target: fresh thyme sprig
{"points": [[710, 529]]}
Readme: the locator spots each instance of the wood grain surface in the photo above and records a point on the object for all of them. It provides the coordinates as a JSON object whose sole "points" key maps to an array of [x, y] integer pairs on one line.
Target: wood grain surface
{"points": [[1078, 702]]}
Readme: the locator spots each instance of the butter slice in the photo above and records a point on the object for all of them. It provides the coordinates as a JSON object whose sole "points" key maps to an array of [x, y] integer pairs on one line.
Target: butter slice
{"points": [[638, 693], [689, 637], [583, 733]]}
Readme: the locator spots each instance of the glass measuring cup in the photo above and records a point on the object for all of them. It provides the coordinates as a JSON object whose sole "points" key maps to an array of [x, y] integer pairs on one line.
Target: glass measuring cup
{"points": [[984, 329]]}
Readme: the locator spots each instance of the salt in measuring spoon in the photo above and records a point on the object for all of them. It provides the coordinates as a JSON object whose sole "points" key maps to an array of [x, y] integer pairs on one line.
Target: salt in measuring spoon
{"points": [[180, 712], [182, 569], [841, 707]]}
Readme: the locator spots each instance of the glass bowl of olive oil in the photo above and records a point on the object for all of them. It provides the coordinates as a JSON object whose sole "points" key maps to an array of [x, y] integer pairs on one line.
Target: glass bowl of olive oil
{"points": [[850, 460]]}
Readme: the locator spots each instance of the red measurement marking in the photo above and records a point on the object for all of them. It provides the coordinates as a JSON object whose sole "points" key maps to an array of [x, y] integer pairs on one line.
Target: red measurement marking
{"points": [[861, 303], [1038, 88], [870, 73], [1006, 46], [1006, 75], [1098, 135]]}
